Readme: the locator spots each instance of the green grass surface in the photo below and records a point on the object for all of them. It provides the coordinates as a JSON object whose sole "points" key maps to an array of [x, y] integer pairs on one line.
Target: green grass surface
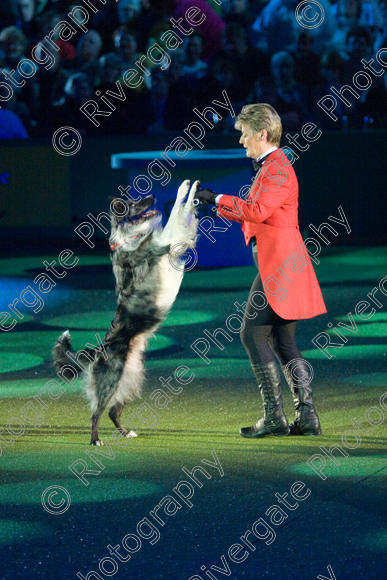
{"points": [[340, 523]]}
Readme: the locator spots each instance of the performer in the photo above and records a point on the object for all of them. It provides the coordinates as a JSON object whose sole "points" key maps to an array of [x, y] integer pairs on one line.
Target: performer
{"points": [[286, 288]]}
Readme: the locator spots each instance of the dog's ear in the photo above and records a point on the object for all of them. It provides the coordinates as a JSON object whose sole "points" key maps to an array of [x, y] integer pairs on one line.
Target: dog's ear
{"points": [[120, 206]]}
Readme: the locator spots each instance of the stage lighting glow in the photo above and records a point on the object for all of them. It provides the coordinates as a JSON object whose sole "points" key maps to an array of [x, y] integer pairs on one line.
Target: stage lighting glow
{"points": [[13, 531], [377, 317], [43, 341], [23, 388], [367, 380], [12, 361], [349, 467], [100, 320], [364, 256], [108, 489], [11, 288], [219, 368], [377, 541], [348, 352], [373, 329]]}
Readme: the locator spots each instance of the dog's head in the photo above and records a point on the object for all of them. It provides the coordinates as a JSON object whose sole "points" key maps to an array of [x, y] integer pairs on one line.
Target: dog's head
{"points": [[132, 222]]}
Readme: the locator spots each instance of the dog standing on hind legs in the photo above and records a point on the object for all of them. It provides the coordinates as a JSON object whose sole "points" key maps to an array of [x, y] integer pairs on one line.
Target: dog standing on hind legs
{"points": [[147, 282]]}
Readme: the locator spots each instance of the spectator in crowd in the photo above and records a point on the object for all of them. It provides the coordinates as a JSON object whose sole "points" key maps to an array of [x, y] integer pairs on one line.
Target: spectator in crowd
{"points": [[7, 13], [222, 75], [307, 62], [182, 94], [238, 11], [78, 89], [210, 30], [11, 126], [235, 49], [125, 44], [88, 51], [128, 11], [14, 43], [289, 101], [248, 60], [133, 113], [67, 51], [307, 69], [332, 70], [347, 14], [194, 66], [51, 84], [369, 107], [110, 69], [278, 27], [158, 101], [26, 20]]}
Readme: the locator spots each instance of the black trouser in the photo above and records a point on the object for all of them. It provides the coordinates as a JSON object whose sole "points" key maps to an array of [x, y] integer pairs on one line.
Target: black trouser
{"points": [[267, 332]]}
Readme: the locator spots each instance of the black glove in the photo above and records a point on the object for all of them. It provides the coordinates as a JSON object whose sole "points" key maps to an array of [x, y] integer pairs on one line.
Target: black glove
{"points": [[206, 196]]}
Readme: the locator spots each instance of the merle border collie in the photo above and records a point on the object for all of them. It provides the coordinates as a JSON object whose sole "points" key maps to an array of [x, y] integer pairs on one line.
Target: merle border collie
{"points": [[148, 268]]}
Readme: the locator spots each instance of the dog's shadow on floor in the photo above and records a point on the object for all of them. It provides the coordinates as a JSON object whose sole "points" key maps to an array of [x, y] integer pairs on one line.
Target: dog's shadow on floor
{"points": [[90, 277]]}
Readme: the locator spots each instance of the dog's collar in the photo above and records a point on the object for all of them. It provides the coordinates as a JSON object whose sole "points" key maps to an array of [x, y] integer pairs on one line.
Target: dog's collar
{"points": [[114, 246]]}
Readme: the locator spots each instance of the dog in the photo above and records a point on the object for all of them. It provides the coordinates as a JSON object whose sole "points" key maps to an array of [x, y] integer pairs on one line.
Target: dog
{"points": [[148, 269]]}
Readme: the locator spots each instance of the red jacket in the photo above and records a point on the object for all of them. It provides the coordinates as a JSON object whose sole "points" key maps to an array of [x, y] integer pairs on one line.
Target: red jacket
{"points": [[270, 214]]}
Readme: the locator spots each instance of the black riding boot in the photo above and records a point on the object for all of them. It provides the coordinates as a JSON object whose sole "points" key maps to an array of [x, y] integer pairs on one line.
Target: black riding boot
{"points": [[306, 421], [273, 421]]}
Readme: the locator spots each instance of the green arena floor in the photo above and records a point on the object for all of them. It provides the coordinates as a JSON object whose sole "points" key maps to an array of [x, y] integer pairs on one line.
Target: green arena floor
{"points": [[335, 525]]}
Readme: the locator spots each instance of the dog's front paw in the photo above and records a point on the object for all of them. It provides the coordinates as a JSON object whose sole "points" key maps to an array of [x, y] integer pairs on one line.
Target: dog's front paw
{"points": [[97, 443], [183, 190], [192, 193]]}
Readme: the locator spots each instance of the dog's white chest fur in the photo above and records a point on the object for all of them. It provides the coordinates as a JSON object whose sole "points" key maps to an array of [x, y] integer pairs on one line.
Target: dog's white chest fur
{"points": [[170, 279]]}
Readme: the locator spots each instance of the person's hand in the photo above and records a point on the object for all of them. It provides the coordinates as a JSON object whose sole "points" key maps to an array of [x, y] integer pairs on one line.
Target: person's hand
{"points": [[206, 196]]}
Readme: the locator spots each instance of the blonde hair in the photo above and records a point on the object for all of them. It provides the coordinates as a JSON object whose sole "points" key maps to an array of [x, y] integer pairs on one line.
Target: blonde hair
{"points": [[261, 116], [13, 34]]}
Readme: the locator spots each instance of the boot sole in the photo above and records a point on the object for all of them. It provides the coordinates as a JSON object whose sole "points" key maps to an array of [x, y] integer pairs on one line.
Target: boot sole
{"points": [[305, 434], [254, 436]]}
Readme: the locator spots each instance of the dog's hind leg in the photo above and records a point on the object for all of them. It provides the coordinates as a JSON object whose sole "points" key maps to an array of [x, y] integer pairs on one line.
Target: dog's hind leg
{"points": [[95, 418], [115, 415]]}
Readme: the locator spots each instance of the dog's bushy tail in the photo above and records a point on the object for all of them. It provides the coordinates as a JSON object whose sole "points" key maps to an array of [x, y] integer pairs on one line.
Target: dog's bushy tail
{"points": [[60, 350]]}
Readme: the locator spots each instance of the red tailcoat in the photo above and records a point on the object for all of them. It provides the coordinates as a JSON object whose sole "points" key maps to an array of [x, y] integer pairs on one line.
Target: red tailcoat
{"points": [[270, 214]]}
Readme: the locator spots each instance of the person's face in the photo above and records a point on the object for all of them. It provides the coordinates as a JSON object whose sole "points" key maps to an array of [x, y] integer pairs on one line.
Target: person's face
{"points": [[357, 46], [13, 49], [284, 71], [195, 46], [26, 9], [346, 12], [230, 45], [224, 76], [238, 6], [304, 45], [111, 72], [128, 46], [255, 143], [89, 46], [160, 86], [126, 12], [82, 91]]}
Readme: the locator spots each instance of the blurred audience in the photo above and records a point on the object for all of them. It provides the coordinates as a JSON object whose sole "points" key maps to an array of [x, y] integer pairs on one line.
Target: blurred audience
{"points": [[253, 49]]}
